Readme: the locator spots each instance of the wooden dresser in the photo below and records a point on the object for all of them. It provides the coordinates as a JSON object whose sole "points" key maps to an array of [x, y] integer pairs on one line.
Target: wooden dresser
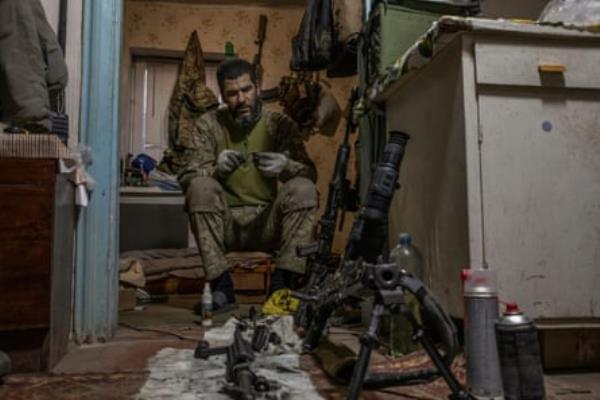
{"points": [[37, 222]]}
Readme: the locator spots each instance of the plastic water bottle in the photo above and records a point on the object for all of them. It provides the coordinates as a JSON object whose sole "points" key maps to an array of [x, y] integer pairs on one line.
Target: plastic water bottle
{"points": [[520, 361], [207, 303], [406, 256]]}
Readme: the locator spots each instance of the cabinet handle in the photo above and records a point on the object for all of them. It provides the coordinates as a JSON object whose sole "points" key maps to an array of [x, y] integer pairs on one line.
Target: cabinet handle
{"points": [[552, 68]]}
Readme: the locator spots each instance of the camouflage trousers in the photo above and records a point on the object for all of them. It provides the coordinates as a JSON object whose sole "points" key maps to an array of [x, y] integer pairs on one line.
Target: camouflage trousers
{"points": [[277, 228]]}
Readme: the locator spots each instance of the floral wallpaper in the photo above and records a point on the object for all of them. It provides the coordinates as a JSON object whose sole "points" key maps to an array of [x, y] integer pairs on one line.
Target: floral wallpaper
{"points": [[168, 26]]}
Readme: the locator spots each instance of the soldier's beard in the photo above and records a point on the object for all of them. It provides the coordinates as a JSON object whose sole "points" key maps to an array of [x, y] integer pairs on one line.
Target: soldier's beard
{"points": [[247, 122]]}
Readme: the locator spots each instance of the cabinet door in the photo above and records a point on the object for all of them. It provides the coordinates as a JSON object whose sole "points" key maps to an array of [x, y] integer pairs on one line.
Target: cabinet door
{"points": [[540, 168], [26, 210]]}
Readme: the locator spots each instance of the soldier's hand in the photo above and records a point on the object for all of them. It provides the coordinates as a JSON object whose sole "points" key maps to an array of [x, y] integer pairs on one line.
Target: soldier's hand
{"points": [[270, 164], [228, 161]]}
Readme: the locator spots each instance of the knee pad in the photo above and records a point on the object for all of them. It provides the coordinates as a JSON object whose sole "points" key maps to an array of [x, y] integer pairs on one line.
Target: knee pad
{"points": [[299, 193], [204, 194]]}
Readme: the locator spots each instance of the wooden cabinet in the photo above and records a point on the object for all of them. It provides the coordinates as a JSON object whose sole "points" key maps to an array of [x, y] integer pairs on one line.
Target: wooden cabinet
{"points": [[37, 221]]}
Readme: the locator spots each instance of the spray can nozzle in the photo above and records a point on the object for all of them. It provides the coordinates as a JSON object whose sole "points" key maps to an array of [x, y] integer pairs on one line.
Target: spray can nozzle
{"points": [[512, 308]]}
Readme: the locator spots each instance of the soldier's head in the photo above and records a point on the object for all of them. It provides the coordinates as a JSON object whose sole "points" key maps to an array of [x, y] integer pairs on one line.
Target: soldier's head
{"points": [[237, 82]]}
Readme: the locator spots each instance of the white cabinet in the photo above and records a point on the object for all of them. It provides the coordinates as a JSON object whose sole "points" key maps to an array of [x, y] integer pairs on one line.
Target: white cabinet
{"points": [[503, 167]]}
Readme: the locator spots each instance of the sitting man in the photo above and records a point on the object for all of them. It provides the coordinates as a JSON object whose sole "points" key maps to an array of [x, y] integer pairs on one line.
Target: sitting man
{"points": [[236, 157]]}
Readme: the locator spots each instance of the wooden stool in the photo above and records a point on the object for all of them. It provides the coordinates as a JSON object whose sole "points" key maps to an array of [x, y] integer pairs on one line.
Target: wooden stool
{"points": [[251, 271]]}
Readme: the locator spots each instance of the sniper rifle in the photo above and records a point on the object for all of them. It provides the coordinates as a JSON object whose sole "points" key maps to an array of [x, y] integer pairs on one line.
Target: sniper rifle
{"points": [[340, 197]]}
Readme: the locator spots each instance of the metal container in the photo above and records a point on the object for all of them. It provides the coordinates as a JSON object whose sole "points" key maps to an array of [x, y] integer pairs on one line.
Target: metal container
{"points": [[519, 351], [481, 313]]}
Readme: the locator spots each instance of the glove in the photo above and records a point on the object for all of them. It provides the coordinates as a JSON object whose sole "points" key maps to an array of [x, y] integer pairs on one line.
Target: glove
{"points": [[270, 164], [228, 161]]}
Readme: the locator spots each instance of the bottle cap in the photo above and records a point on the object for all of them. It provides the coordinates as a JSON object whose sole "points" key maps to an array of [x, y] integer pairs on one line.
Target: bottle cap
{"points": [[513, 316], [480, 283], [405, 239], [512, 308], [464, 275]]}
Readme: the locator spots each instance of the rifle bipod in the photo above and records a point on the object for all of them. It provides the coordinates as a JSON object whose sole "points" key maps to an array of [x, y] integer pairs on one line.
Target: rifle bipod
{"points": [[389, 285]]}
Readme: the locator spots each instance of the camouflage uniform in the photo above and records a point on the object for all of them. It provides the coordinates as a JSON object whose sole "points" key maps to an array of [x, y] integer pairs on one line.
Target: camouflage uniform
{"points": [[279, 226], [190, 99]]}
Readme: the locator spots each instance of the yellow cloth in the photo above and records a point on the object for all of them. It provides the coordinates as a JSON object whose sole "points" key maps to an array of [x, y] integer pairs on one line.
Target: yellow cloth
{"points": [[281, 302]]}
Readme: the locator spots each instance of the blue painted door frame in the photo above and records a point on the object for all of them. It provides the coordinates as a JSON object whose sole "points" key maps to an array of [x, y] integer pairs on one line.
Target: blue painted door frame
{"points": [[96, 271]]}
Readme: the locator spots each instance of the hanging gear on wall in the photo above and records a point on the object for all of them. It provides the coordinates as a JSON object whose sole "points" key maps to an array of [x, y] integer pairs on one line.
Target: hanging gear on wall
{"points": [[347, 22], [299, 96], [310, 104], [190, 99], [311, 47]]}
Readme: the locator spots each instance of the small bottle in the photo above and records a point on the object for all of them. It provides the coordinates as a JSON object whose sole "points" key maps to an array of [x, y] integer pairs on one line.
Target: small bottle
{"points": [[519, 350], [406, 256], [229, 51], [207, 305]]}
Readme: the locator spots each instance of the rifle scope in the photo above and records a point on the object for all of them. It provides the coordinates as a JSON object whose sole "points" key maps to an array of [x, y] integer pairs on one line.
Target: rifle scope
{"points": [[368, 235]]}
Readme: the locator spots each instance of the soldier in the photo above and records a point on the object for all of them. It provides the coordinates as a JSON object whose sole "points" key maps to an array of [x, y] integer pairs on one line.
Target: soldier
{"points": [[238, 155]]}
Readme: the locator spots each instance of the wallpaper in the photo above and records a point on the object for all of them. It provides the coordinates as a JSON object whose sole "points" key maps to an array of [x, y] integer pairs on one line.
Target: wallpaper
{"points": [[168, 26]]}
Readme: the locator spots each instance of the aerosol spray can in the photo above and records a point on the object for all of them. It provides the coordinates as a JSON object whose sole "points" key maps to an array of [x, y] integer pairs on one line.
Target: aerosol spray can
{"points": [[519, 350], [481, 313]]}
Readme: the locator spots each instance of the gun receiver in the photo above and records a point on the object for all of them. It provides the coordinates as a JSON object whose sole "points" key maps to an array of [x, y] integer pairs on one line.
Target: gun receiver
{"points": [[242, 382]]}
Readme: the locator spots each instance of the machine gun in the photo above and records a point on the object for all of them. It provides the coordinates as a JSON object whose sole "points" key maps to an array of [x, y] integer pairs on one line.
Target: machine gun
{"points": [[363, 268], [340, 197], [260, 40], [367, 237]]}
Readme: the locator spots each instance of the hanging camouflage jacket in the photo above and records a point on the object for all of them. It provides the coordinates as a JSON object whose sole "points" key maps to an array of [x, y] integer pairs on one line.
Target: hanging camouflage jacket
{"points": [[190, 99], [210, 132]]}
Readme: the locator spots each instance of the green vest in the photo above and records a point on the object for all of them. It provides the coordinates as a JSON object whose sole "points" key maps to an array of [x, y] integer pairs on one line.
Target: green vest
{"points": [[246, 186]]}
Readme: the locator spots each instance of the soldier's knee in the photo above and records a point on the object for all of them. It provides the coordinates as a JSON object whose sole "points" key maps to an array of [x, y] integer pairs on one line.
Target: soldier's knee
{"points": [[300, 193], [204, 194]]}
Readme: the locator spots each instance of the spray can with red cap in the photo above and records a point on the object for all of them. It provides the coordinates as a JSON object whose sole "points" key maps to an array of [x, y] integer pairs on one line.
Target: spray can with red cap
{"points": [[519, 351]]}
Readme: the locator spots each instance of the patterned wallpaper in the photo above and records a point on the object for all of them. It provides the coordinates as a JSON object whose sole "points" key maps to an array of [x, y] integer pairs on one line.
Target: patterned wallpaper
{"points": [[168, 26]]}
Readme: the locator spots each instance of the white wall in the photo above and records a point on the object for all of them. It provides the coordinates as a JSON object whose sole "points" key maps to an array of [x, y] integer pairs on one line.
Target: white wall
{"points": [[73, 58], [52, 10]]}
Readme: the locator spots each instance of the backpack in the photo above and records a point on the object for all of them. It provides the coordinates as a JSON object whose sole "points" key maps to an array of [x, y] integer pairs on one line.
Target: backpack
{"points": [[311, 47]]}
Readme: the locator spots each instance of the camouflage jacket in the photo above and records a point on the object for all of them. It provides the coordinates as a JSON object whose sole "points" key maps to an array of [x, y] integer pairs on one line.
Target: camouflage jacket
{"points": [[208, 132]]}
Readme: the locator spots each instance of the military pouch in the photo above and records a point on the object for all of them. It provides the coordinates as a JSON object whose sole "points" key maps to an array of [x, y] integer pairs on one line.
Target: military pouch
{"points": [[60, 126], [311, 47]]}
